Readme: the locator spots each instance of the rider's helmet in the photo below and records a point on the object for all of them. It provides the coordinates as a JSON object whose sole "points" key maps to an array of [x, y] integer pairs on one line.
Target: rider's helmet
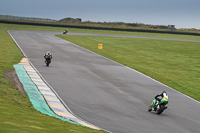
{"points": [[48, 53], [164, 92]]}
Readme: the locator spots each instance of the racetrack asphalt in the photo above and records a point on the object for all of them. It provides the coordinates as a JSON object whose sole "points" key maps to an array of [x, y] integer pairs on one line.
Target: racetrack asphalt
{"points": [[105, 93]]}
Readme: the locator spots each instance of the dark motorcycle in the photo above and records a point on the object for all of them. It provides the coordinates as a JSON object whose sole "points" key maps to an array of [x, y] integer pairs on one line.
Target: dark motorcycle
{"points": [[48, 61]]}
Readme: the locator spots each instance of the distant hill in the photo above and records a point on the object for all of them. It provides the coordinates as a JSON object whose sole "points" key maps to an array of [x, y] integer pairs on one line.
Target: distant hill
{"points": [[70, 20]]}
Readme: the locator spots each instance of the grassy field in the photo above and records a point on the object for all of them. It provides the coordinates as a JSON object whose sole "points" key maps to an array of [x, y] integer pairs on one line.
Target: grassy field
{"points": [[174, 63], [16, 112]]}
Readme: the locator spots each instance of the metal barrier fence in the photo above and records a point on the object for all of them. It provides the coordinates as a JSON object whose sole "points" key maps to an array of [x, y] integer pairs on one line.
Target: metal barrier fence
{"points": [[8, 17]]}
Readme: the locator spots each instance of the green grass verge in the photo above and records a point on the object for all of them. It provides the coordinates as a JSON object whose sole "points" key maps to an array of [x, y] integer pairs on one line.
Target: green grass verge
{"points": [[174, 63], [16, 112]]}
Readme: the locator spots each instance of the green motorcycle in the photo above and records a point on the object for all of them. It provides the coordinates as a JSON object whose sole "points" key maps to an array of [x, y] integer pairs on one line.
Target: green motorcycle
{"points": [[159, 104]]}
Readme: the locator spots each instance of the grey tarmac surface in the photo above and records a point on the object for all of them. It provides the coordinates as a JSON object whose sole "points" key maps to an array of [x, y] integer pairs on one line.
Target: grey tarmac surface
{"points": [[105, 93]]}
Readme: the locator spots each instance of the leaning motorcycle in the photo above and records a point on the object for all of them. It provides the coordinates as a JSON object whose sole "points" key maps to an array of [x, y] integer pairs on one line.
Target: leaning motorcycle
{"points": [[159, 105], [65, 32]]}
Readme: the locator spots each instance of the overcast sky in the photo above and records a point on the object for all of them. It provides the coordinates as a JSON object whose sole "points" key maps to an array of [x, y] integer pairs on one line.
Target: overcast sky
{"points": [[181, 13]]}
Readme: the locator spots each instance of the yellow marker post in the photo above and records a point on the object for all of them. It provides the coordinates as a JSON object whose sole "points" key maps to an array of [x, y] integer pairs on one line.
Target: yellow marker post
{"points": [[100, 46]]}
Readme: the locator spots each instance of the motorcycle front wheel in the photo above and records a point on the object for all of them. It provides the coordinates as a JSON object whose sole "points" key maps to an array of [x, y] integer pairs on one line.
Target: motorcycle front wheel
{"points": [[47, 63], [149, 109]]}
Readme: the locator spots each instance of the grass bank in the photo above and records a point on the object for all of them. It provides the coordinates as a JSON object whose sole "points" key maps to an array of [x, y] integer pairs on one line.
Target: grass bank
{"points": [[16, 112], [174, 63]]}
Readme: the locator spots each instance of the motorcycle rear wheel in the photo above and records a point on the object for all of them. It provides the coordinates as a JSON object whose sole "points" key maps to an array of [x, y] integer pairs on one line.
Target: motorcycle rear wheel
{"points": [[162, 108]]}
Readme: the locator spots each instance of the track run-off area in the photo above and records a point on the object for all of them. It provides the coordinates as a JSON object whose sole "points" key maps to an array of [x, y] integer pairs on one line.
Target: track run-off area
{"points": [[103, 92]]}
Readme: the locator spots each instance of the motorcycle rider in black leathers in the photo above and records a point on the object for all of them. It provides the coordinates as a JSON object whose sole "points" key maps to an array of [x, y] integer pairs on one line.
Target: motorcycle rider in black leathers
{"points": [[48, 56]]}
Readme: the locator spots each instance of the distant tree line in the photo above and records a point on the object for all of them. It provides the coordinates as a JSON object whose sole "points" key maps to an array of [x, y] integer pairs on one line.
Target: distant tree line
{"points": [[70, 20]]}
